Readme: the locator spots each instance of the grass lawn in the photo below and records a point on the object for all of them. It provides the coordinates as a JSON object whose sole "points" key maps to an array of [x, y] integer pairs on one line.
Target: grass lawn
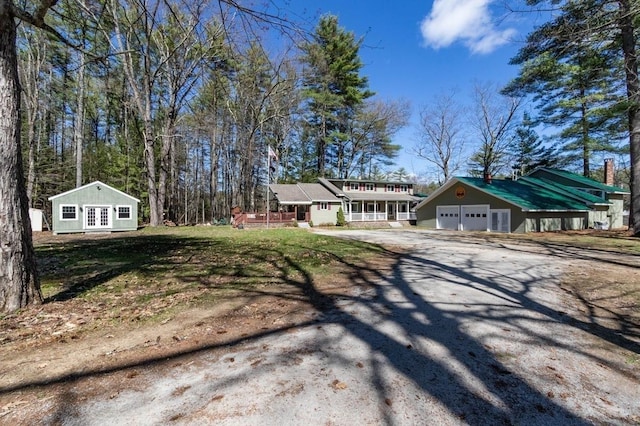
{"points": [[106, 280]]}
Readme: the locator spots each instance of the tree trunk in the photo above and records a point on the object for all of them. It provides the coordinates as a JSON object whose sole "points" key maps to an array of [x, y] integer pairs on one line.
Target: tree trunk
{"points": [[627, 17], [78, 130], [19, 283]]}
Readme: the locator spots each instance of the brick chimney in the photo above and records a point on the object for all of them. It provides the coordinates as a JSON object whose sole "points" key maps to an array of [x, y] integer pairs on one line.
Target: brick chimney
{"points": [[608, 171], [487, 178]]}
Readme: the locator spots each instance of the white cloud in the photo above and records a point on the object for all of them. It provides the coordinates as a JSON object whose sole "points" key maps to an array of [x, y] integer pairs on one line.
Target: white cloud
{"points": [[468, 21]]}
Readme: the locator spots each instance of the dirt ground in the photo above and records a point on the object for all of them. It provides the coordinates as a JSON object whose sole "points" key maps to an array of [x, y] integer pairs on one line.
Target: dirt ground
{"points": [[61, 354]]}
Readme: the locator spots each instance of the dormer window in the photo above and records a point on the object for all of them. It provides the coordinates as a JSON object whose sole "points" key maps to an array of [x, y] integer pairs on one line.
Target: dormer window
{"points": [[404, 188], [370, 187], [354, 186], [391, 188]]}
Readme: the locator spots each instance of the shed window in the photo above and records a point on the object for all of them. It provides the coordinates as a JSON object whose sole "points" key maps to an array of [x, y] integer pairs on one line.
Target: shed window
{"points": [[323, 206], [124, 212], [68, 212]]}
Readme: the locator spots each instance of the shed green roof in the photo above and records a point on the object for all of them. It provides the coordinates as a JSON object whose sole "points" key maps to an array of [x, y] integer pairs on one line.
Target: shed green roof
{"points": [[530, 194]]}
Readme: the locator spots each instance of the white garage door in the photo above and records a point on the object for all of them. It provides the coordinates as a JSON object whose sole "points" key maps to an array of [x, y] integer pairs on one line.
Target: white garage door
{"points": [[447, 217], [474, 218]]}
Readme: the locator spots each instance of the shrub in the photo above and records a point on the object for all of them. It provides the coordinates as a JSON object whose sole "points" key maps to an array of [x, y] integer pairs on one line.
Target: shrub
{"points": [[341, 221]]}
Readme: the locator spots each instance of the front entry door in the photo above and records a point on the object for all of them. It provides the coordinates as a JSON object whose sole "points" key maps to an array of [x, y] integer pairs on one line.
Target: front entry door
{"points": [[391, 211], [97, 217]]}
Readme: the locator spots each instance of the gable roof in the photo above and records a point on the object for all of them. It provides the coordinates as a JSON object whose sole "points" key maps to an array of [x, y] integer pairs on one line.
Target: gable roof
{"points": [[581, 180], [529, 194], [94, 183], [302, 193]]}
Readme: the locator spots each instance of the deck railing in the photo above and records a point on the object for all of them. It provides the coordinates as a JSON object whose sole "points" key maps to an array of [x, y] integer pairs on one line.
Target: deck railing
{"points": [[274, 217]]}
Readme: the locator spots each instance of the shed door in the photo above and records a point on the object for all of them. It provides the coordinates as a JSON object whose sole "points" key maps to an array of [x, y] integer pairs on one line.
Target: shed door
{"points": [[97, 217], [447, 217], [474, 218]]}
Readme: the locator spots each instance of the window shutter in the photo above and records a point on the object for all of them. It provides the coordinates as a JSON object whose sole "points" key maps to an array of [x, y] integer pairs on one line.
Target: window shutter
{"points": [[397, 188], [318, 206], [329, 206]]}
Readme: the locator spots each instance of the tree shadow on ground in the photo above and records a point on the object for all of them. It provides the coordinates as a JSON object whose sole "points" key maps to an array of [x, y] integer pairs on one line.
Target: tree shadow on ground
{"points": [[425, 336]]}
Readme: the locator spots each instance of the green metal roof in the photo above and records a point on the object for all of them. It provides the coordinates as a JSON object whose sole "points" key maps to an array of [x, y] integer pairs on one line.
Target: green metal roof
{"points": [[572, 192], [582, 180], [530, 194]]}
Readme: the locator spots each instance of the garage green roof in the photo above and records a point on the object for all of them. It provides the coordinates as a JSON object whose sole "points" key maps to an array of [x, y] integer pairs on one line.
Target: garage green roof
{"points": [[582, 180], [530, 194]]}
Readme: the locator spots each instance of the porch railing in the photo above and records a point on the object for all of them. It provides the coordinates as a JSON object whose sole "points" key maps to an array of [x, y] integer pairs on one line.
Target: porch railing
{"points": [[407, 216]]}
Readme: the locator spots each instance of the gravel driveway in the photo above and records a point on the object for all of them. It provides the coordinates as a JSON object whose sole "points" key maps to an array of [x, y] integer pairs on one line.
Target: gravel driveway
{"points": [[461, 332]]}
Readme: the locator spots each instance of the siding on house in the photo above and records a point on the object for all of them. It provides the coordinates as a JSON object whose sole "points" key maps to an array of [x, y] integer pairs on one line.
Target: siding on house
{"points": [[321, 216]]}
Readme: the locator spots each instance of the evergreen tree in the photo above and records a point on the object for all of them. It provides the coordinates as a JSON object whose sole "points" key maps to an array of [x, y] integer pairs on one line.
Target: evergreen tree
{"points": [[576, 87], [334, 91], [609, 28], [528, 151]]}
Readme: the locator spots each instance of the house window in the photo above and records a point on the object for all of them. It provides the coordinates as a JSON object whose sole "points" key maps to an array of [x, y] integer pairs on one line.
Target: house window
{"points": [[404, 188], [391, 188], [324, 206], [124, 212], [355, 207], [68, 212], [354, 186], [371, 207], [370, 187]]}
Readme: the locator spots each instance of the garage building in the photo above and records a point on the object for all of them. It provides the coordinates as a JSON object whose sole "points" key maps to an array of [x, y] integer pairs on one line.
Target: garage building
{"points": [[527, 204]]}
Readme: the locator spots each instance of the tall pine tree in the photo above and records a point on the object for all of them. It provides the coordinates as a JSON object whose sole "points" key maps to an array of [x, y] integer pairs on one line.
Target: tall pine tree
{"points": [[528, 151], [334, 91]]}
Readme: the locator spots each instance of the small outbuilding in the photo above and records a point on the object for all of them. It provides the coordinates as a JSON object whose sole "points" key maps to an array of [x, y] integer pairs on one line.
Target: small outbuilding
{"points": [[95, 207], [35, 217]]}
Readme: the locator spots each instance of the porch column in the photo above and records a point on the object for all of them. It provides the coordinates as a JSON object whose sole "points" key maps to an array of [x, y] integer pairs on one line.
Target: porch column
{"points": [[386, 210]]}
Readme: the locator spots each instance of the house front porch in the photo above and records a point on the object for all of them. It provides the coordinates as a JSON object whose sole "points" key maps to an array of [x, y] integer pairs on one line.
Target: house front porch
{"points": [[378, 211]]}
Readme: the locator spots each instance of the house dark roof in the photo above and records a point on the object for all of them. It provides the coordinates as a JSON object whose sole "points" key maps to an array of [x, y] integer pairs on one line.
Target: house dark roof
{"points": [[582, 181], [530, 194], [302, 193]]}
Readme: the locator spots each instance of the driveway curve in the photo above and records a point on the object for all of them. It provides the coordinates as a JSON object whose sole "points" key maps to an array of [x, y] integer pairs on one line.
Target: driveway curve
{"points": [[459, 332]]}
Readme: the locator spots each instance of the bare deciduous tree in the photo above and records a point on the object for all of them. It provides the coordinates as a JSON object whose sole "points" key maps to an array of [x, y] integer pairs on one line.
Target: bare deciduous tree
{"points": [[440, 138], [493, 122]]}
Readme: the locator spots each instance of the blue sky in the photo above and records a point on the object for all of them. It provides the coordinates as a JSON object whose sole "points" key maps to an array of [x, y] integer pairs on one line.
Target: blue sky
{"points": [[415, 50]]}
